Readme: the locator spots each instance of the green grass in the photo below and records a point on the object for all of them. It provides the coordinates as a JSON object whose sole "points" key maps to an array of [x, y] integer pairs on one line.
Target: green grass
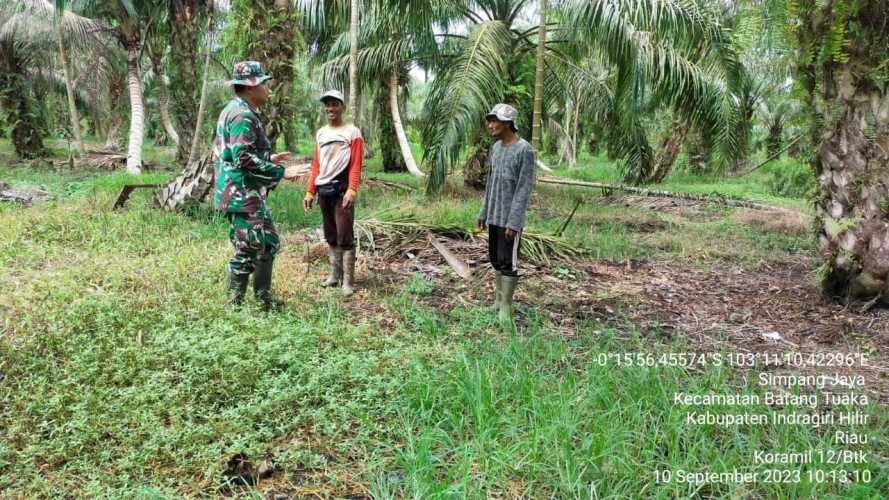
{"points": [[124, 375], [758, 186], [537, 417]]}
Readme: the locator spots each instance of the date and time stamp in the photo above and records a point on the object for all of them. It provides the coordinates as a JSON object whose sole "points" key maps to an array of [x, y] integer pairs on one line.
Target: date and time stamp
{"points": [[818, 390]]}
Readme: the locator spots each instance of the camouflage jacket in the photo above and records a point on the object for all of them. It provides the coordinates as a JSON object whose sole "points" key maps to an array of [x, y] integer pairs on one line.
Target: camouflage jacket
{"points": [[244, 174]]}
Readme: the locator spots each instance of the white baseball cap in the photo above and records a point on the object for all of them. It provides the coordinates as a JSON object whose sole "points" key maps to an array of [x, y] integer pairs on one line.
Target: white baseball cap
{"points": [[503, 112], [336, 94]]}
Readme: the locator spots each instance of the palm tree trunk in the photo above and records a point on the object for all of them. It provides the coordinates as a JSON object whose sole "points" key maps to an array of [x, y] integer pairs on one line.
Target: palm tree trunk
{"points": [[536, 122], [163, 98], [475, 169], [576, 147], [369, 145], [851, 137], [666, 155], [569, 151], [399, 128], [137, 110], [854, 232], [116, 110], [184, 20], [276, 47], [192, 186], [25, 137], [353, 64], [390, 150], [69, 87], [195, 138], [773, 141]]}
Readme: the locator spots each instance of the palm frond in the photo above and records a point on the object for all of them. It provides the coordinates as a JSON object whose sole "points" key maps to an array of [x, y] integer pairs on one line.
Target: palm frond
{"points": [[462, 94], [604, 25], [587, 86], [633, 145], [373, 63], [34, 21], [684, 85], [682, 51], [536, 246]]}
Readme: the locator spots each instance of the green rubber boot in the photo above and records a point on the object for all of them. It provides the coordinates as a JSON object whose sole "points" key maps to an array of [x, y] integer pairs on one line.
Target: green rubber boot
{"points": [[348, 272], [498, 290], [335, 258], [507, 289], [237, 285]]}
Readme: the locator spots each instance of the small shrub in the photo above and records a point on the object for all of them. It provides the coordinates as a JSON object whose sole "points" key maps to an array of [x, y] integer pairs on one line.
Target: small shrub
{"points": [[792, 180]]}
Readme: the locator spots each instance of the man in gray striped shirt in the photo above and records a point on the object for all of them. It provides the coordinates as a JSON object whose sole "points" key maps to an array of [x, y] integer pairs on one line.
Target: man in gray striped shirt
{"points": [[507, 192]]}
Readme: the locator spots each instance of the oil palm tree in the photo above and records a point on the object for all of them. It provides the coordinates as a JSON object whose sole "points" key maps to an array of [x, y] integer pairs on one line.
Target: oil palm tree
{"points": [[843, 70], [579, 87], [15, 96], [33, 28], [646, 43], [385, 57], [775, 114], [268, 31], [185, 20], [128, 20], [156, 49]]}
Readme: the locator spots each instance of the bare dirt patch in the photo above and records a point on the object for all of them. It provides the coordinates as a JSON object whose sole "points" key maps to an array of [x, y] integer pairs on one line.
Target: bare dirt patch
{"points": [[776, 222], [771, 309], [774, 307]]}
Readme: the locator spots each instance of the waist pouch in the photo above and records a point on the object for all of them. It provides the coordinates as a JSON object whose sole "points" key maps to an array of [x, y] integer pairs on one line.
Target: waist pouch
{"points": [[332, 188]]}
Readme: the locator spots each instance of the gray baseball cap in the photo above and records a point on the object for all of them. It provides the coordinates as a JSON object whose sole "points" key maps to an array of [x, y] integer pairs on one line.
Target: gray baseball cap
{"points": [[336, 94], [503, 112]]}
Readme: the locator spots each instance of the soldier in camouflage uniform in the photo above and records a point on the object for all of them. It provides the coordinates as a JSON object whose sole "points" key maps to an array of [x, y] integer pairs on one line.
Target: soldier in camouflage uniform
{"points": [[246, 172]]}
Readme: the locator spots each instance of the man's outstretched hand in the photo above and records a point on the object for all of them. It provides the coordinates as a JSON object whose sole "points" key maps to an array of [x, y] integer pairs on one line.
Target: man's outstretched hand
{"points": [[277, 158], [291, 173]]}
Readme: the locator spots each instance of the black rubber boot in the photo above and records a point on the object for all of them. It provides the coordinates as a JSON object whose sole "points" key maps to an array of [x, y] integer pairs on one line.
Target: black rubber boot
{"points": [[262, 283], [237, 285]]}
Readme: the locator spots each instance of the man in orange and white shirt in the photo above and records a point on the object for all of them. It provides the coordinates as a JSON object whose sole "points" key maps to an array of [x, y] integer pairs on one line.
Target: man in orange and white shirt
{"points": [[336, 173]]}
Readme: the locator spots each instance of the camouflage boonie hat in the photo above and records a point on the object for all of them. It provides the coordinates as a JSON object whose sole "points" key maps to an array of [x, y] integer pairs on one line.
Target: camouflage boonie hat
{"points": [[248, 73]]}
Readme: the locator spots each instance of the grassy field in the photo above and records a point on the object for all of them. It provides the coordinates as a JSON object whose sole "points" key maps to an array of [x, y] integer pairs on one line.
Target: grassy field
{"points": [[123, 374]]}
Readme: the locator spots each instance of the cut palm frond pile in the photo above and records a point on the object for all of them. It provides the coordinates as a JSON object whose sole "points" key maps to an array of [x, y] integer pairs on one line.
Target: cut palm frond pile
{"points": [[25, 196], [407, 229], [103, 160]]}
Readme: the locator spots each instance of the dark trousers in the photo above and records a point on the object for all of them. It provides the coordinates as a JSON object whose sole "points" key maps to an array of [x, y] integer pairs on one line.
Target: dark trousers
{"points": [[502, 251], [338, 221]]}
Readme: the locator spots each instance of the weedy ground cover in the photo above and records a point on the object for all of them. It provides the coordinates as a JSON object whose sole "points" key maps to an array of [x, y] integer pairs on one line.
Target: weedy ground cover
{"points": [[123, 373]]}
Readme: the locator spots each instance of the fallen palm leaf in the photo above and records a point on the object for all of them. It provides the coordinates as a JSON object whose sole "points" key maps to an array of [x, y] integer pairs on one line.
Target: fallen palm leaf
{"points": [[388, 184], [536, 246], [709, 198]]}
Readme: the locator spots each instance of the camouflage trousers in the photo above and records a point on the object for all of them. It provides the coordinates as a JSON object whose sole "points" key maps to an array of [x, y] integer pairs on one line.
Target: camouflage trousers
{"points": [[252, 234]]}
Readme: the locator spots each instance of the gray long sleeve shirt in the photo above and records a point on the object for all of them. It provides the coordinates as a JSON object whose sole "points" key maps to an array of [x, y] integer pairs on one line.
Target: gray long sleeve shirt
{"points": [[509, 186]]}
